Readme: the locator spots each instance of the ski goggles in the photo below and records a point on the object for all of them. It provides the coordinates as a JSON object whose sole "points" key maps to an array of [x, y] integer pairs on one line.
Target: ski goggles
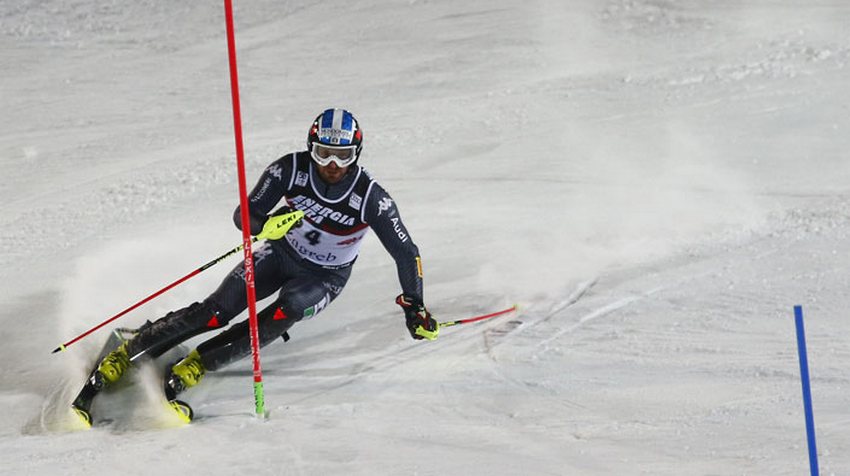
{"points": [[342, 155]]}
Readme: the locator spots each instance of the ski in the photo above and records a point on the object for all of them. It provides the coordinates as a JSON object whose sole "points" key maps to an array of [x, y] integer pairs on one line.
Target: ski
{"points": [[94, 383], [81, 406], [182, 409], [172, 387]]}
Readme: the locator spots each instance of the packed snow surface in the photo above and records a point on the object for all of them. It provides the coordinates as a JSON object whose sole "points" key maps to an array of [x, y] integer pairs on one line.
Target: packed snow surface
{"points": [[656, 183]]}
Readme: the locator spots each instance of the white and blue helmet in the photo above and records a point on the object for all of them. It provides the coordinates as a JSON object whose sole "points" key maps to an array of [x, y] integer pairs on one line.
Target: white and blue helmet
{"points": [[335, 136]]}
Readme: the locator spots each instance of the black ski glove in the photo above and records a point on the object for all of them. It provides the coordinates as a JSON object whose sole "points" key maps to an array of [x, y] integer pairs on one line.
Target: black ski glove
{"points": [[257, 221], [419, 321]]}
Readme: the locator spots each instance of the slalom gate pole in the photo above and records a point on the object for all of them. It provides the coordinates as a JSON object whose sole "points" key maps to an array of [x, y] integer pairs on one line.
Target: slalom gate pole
{"points": [[152, 296], [807, 393], [259, 399], [478, 318]]}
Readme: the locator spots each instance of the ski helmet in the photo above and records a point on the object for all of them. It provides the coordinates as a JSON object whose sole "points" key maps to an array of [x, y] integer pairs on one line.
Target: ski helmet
{"points": [[335, 136]]}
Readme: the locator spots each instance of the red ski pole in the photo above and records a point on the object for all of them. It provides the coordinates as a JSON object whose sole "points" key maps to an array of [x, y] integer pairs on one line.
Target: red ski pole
{"points": [[149, 298], [275, 228], [478, 318]]}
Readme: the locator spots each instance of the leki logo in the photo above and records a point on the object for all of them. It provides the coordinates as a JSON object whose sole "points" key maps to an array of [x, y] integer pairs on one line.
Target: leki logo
{"points": [[384, 205]]}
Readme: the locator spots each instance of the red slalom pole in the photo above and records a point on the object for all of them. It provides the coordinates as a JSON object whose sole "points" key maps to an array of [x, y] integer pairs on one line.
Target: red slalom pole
{"points": [[478, 318], [259, 399]]}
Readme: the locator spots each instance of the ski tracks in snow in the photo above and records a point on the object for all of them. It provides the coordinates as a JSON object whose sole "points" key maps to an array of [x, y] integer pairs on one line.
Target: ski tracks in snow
{"points": [[494, 336], [601, 312], [607, 307]]}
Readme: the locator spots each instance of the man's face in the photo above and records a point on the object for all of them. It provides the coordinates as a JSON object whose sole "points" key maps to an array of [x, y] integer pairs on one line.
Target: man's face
{"points": [[331, 173]]}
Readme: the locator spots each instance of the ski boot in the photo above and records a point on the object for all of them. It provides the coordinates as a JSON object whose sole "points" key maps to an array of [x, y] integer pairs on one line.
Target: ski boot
{"points": [[113, 366], [109, 371], [184, 374]]}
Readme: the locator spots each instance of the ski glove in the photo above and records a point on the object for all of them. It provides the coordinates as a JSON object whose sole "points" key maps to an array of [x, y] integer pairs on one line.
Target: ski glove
{"points": [[256, 221], [279, 223], [272, 227], [419, 321]]}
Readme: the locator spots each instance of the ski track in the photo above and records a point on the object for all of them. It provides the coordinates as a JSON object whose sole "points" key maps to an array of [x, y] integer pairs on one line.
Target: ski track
{"points": [[400, 354], [600, 312], [366, 366], [492, 336]]}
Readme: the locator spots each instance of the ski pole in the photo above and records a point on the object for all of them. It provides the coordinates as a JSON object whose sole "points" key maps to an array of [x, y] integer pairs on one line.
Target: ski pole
{"points": [[275, 228], [478, 318]]}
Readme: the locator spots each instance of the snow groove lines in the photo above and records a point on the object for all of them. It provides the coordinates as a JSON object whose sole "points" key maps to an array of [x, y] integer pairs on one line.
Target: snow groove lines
{"points": [[602, 311], [580, 291], [494, 336]]}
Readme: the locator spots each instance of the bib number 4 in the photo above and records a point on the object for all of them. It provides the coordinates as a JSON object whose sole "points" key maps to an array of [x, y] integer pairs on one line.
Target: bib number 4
{"points": [[313, 237]]}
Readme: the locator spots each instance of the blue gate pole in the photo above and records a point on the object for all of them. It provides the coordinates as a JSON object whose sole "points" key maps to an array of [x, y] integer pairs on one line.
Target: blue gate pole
{"points": [[807, 392]]}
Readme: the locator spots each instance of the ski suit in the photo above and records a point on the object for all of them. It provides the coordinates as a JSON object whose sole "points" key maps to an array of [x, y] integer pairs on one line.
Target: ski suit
{"points": [[308, 268]]}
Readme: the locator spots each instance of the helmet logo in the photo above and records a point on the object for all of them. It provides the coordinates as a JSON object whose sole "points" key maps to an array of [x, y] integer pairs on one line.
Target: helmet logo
{"points": [[335, 136]]}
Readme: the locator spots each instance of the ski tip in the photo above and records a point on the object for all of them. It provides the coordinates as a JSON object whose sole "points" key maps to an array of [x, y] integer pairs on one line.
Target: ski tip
{"points": [[84, 416], [183, 410], [59, 349]]}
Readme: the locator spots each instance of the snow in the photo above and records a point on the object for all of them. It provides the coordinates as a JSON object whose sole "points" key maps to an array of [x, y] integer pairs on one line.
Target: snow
{"points": [[656, 183]]}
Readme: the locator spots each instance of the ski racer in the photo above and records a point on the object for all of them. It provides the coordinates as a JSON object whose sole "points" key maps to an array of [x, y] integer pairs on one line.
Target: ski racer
{"points": [[307, 269]]}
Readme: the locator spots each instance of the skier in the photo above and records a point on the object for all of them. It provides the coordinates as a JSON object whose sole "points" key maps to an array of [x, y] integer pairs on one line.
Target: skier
{"points": [[308, 268]]}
